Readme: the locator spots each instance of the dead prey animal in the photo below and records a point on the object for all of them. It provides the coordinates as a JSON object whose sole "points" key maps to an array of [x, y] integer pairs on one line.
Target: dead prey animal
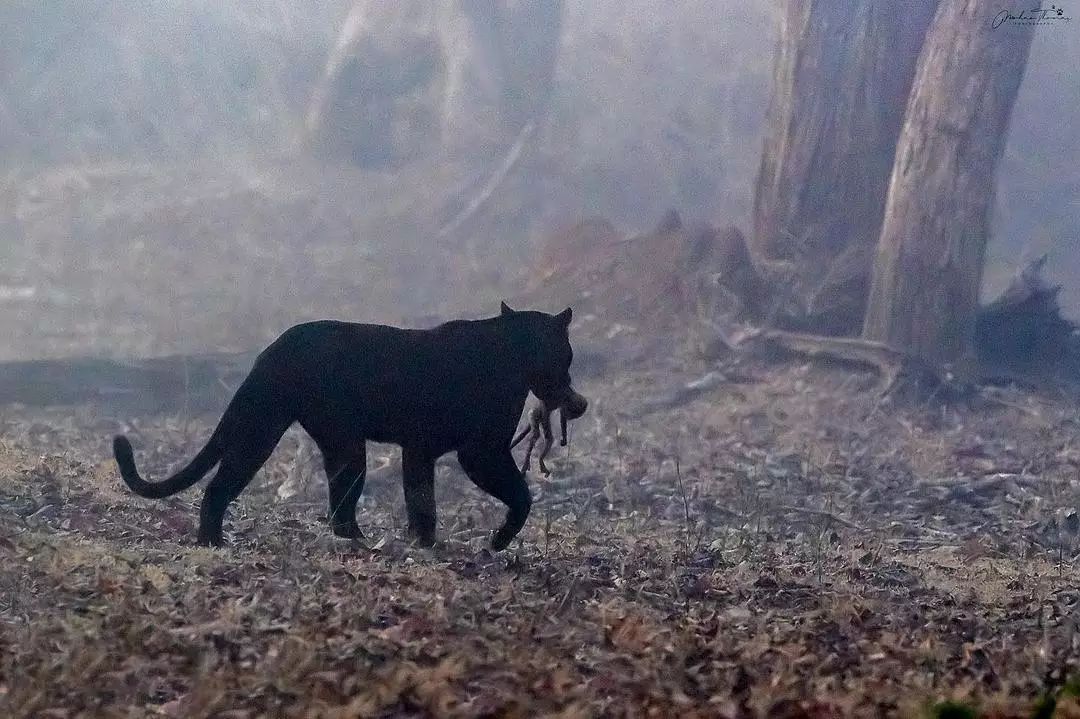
{"points": [[540, 423]]}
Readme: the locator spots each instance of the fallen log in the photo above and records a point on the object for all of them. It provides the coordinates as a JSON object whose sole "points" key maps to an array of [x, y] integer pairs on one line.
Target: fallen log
{"points": [[1022, 332], [195, 383]]}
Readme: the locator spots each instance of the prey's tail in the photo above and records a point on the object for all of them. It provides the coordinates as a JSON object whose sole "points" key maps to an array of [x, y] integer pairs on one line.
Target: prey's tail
{"points": [[204, 461]]}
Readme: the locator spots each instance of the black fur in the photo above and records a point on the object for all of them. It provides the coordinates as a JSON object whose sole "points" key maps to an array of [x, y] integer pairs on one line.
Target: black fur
{"points": [[459, 387]]}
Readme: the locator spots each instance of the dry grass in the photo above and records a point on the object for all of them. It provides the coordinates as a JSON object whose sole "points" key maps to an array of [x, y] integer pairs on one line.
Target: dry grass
{"points": [[785, 544], [778, 547]]}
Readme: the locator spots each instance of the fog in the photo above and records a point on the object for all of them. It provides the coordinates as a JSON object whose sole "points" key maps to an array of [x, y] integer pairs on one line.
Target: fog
{"points": [[186, 176], [747, 520]]}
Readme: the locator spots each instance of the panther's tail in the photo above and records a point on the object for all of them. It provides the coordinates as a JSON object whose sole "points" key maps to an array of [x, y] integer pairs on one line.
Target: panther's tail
{"points": [[189, 475]]}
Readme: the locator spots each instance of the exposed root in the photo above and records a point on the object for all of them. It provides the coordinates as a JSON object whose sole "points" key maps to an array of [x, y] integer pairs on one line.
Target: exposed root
{"points": [[1020, 338], [886, 361]]}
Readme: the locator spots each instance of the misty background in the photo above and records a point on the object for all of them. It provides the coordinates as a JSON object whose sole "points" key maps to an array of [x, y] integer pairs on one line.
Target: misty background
{"points": [[197, 176]]}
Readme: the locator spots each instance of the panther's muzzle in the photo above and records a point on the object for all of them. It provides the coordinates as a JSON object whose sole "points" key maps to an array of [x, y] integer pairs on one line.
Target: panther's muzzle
{"points": [[574, 405]]}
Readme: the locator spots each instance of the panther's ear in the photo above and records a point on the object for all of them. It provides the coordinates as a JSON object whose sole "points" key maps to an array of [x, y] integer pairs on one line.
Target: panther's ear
{"points": [[565, 316], [504, 309]]}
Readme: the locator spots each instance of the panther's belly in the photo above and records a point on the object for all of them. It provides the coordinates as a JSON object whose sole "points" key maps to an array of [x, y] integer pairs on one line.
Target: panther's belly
{"points": [[334, 423]]}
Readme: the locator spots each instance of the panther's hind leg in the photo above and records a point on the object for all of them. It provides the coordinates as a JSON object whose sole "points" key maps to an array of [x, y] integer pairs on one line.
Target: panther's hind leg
{"points": [[345, 480], [494, 471], [248, 449], [418, 478]]}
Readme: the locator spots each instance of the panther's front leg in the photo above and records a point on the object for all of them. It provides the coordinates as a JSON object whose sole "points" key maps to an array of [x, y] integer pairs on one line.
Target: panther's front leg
{"points": [[493, 470], [345, 483], [418, 478]]}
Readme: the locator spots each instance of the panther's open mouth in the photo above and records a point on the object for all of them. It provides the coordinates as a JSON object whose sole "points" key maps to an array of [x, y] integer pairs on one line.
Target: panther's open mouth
{"points": [[567, 400], [574, 405]]}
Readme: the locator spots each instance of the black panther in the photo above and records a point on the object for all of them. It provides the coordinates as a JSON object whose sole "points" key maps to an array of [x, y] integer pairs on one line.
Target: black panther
{"points": [[459, 387]]}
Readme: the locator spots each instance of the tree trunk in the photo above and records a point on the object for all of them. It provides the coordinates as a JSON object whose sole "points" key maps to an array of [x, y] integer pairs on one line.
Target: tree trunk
{"points": [[841, 81], [412, 78], [925, 289], [377, 99]]}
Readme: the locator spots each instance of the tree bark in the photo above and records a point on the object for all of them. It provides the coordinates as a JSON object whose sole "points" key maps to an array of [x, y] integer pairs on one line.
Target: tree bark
{"points": [[842, 75], [925, 289]]}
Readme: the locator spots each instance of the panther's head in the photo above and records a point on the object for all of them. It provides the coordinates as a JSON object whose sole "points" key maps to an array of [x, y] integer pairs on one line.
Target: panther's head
{"points": [[548, 355]]}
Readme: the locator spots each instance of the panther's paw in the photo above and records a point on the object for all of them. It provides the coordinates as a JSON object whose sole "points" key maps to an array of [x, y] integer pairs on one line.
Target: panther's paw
{"points": [[422, 539], [500, 541], [347, 530]]}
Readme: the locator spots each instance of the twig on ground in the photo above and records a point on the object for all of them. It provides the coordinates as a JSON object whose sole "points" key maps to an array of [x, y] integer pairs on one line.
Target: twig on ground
{"points": [[820, 513]]}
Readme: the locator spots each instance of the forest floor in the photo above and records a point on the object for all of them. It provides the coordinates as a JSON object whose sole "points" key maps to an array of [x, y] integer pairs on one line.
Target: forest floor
{"points": [[776, 540], [784, 544]]}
